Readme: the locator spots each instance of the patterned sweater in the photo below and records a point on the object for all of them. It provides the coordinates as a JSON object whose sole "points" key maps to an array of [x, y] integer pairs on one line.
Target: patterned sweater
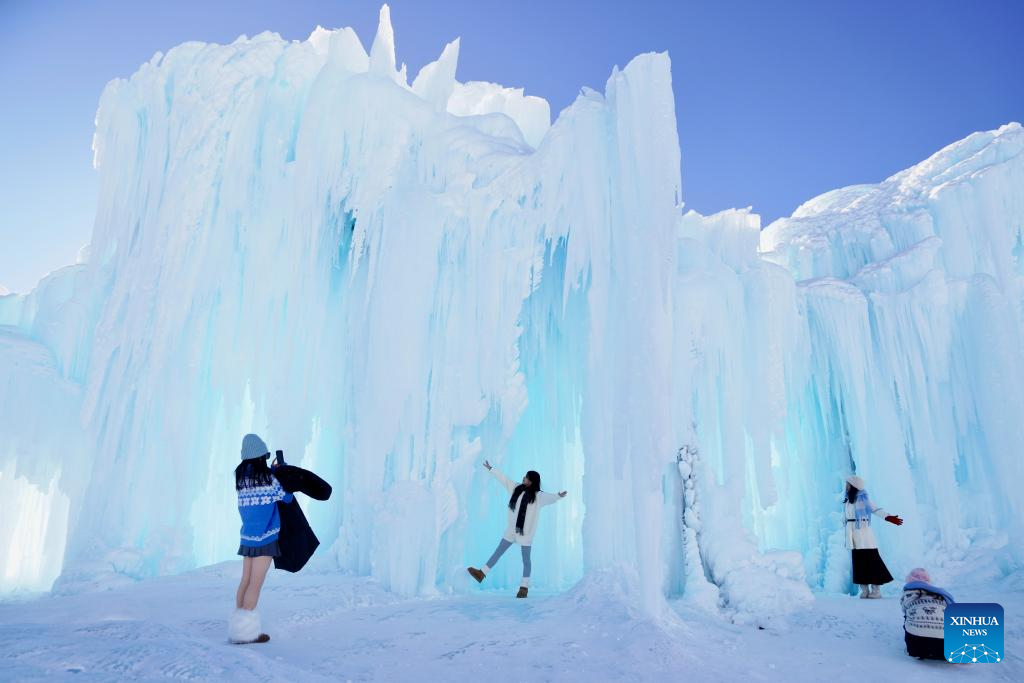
{"points": [[923, 613], [257, 506]]}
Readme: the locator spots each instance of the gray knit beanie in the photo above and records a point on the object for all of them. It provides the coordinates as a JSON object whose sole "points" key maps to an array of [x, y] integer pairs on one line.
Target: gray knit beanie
{"points": [[253, 447]]}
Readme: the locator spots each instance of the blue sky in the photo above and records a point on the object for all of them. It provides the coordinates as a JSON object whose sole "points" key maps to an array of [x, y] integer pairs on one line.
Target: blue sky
{"points": [[777, 101]]}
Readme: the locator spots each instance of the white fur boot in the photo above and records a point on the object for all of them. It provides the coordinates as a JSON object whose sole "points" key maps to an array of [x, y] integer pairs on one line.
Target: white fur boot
{"points": [[244, 626]]}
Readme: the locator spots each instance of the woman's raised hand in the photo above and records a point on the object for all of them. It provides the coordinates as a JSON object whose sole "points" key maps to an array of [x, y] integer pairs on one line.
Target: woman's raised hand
{"points": [[487, 465], [563, 494], [894, 519]]}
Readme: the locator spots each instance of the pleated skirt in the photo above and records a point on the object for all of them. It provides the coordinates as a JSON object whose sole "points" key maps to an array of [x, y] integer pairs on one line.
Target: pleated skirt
{"points": [[272, 549]]}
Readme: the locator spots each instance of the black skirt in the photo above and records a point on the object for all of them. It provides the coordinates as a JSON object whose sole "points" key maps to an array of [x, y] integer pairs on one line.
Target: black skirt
{"points": [[272, 549], [925, 648], [868, 568]]}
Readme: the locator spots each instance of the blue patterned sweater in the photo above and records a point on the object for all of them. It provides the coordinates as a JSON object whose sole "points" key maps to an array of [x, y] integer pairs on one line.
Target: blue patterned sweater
{"points": [[257, 506]]}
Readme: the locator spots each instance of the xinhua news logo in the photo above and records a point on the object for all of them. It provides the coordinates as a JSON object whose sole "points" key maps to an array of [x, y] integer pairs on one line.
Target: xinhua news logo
{"points": [[974, 633]]}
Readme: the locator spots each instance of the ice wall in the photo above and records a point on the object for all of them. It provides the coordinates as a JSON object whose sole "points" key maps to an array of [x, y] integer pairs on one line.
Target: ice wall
{"points": [[394, 282], [877, 330], [912, 295], [291, 239]]}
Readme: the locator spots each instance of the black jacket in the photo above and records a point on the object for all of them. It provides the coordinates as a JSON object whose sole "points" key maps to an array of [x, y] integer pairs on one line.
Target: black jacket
{"points": [[297, 540], [297, 480]]}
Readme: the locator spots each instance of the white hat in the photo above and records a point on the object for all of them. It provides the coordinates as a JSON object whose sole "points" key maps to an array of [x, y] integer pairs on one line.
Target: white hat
{"points": [[856, 482]]}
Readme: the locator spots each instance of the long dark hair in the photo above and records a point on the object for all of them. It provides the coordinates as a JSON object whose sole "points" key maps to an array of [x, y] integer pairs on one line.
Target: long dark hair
{"points": [[251, 473], [851, 493], [529, 491]]}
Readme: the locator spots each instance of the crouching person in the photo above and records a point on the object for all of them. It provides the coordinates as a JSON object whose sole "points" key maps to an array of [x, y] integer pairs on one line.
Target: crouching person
{"points": [[924, 610]]}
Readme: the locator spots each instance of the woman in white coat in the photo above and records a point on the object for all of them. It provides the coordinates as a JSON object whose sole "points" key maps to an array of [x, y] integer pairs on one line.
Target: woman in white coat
{"points": [[869, 572], [523, 512]]}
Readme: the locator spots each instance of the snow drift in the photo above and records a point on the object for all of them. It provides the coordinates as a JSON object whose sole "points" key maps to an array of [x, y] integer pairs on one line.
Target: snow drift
{"points": [[393, 282]]}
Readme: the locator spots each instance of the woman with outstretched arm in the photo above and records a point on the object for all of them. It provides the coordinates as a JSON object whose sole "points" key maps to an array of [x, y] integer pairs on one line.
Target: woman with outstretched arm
{"points": [[523, 514]]}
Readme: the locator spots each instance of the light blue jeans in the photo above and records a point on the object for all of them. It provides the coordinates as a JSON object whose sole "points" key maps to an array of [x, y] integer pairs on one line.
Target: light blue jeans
{"points": [[500, 550]]}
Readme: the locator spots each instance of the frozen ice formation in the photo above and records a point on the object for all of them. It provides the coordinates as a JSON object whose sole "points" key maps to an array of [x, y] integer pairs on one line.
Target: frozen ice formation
{"points": [[393, 282]]}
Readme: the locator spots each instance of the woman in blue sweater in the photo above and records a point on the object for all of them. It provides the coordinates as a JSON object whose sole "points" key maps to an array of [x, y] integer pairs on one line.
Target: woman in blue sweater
{"points": [[258, 493]]}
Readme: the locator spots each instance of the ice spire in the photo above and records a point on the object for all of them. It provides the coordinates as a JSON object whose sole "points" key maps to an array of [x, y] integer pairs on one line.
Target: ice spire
{"points": [[436, 80], [382, 53]]}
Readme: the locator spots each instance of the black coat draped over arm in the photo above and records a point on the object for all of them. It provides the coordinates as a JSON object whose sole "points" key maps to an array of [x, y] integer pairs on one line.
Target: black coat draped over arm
{"points": [[297, 540]]}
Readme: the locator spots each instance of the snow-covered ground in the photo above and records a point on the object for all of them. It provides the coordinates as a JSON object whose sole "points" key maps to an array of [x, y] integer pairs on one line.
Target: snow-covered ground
{"points": [[333, 627]]}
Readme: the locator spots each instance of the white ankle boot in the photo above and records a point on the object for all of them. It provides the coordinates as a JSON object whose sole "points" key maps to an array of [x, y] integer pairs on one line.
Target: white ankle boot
{"points": [[244, 626], [875, 593], [864, 592]]}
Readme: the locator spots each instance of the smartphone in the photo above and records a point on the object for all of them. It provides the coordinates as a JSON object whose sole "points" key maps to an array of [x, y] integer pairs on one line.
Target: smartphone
{"points": [[278, 458]]}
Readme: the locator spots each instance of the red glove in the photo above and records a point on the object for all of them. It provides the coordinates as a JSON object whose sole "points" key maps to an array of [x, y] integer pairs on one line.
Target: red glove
{"points": [[893, 519]]}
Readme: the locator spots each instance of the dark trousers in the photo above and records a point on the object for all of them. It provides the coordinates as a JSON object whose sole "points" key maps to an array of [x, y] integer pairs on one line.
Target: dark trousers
{"points": [[925, 648]]}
